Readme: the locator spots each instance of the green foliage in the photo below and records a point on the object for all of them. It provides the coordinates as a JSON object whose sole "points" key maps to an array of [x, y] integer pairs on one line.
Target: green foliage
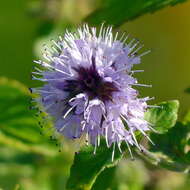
{"points": [[186, 119], [103, 180], [117, 12], [171, 149], [187, 90], [87, 166], [18, 125], [128, 174], [163, 118], [174, 145], [27, 157]]}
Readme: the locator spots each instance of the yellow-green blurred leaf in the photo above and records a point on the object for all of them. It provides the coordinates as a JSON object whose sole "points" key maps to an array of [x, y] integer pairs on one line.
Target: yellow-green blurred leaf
{"points": [[117, 12]]}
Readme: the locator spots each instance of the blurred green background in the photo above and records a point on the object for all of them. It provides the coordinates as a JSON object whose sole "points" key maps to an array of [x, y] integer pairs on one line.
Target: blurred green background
{"points": [[26, 25]]}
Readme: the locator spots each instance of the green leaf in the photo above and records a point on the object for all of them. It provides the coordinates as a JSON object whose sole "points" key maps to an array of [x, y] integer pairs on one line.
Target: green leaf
{"points": [[18, 126], [187, 90], [129, 174], [174, 143], [34, 148], [171, 149], [103, 181], [165, 117], [87, 166], [11, 155], [186, 119], [117, 12]]}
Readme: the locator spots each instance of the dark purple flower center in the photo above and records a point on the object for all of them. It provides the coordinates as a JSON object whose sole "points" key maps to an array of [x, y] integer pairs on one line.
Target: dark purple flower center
{"points": [[90, 82]]}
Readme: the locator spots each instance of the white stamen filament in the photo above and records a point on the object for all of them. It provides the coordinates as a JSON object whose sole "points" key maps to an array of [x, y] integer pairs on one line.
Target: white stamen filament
{"points": [[95, 147], [137, 71], [136, 50], [62, 128], [119, 146], [134, 45], [69, 110], [56, 44], [87, 140], [144, 85], [106, 136], [113, 152], [130, 152], [98, 140], [145, 135], [154, 106], [134, 138], [145, 53]]}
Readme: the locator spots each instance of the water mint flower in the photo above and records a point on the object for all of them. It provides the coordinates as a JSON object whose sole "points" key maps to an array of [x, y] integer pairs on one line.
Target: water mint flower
{"points": [[88, 87]]}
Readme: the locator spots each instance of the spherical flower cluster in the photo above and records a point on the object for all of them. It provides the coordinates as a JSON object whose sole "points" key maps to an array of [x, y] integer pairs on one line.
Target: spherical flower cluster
{"points": [[88, 87]]}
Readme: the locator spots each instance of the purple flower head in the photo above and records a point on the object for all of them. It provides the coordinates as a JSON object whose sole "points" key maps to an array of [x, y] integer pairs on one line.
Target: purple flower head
{"points": [[88, 87]]}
